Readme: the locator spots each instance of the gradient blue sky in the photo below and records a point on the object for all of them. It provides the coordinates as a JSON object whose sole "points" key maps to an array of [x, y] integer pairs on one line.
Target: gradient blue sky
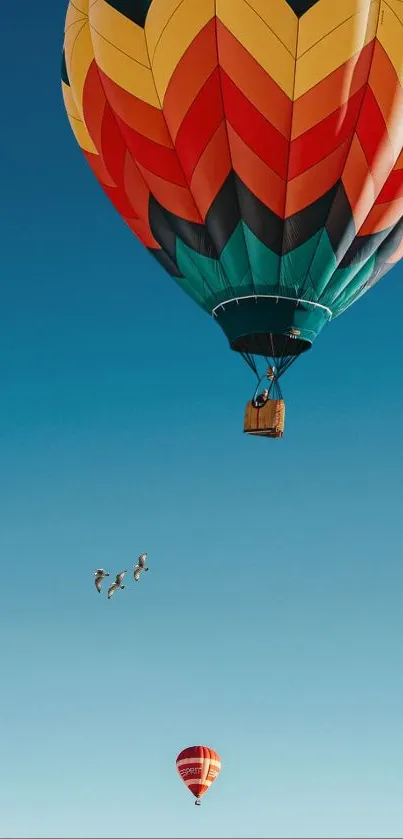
{"points": [[270, 624]]}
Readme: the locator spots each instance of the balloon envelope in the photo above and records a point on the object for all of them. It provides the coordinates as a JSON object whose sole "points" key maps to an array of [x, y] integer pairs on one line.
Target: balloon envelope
{"points": [[198, 767], [255, 148]]}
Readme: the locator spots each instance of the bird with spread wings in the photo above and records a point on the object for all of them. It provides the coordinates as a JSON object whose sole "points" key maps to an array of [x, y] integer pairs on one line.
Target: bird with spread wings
{"points": [[99, 576], [117, 584], [140, 567]]}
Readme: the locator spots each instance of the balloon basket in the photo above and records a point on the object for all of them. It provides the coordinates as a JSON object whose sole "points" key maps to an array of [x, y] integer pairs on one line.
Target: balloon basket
{"points": [[266, 421]]}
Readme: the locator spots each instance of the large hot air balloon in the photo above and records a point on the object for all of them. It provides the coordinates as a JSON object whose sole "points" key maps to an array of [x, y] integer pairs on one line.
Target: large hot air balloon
{"points": [[255, 148], [198, 767]]}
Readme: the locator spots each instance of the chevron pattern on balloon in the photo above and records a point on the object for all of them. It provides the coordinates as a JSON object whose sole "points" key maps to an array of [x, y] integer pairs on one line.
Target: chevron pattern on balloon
{"points": [[251, 146]]}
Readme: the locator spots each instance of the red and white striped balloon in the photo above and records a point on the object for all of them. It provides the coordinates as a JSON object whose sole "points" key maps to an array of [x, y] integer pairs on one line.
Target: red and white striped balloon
{"points": [[198, 767]]}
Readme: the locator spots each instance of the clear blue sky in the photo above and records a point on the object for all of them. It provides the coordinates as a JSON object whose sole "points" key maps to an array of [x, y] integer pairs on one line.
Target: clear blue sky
{"points": [[270, 624]]}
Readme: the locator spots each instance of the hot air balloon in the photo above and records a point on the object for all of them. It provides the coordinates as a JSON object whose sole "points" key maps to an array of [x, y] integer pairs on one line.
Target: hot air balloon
{"points": [[198, 767], [255, 148]]}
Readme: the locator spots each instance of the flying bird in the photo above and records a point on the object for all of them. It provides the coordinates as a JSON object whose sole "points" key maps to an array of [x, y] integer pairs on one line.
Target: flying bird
{"points": [[141, 566], [99, 576], [117, 584]]}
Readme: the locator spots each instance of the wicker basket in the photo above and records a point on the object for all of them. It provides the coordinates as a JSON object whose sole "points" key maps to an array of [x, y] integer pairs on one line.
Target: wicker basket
{"points": [[267, 421]]}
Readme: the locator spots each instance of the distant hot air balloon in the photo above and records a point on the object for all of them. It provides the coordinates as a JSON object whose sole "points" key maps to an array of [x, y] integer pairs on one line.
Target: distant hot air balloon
{"points": [[198, 767], [255, 148]]}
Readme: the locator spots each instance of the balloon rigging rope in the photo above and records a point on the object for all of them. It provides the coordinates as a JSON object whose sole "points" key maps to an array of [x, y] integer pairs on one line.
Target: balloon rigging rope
{"points": [[281, 362]]}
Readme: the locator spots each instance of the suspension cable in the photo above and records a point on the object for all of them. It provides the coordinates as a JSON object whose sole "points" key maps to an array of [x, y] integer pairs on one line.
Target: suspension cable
{"points": [[280, 362]]}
